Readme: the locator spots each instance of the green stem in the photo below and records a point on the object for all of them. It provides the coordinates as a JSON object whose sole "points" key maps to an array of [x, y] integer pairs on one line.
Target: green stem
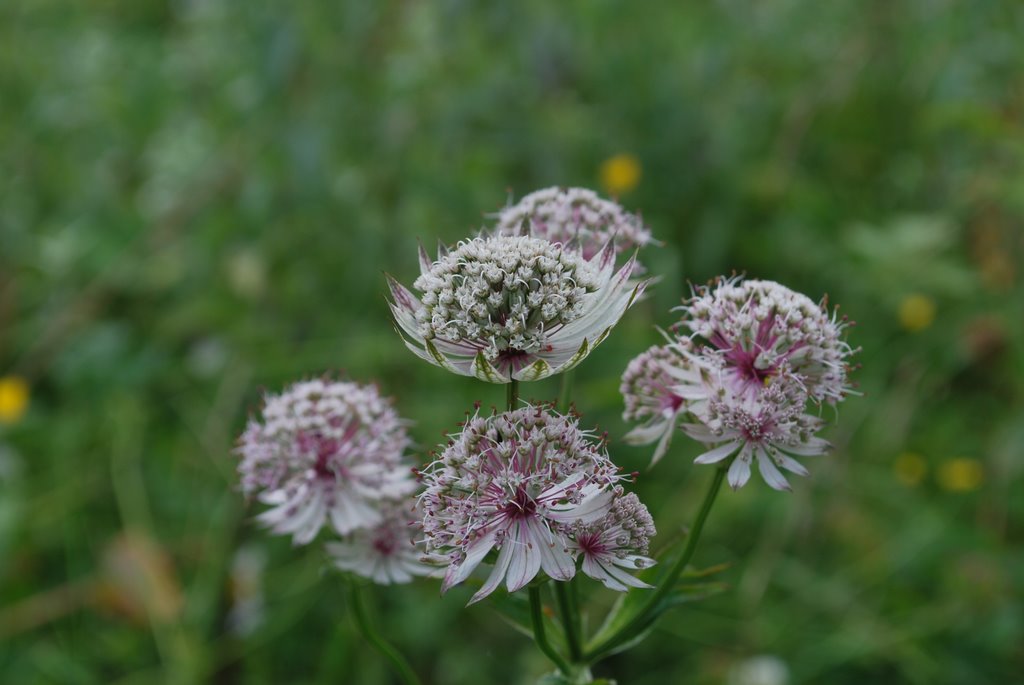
{"points": [[667, 583], [362, 617], [565, 394], [539, 635], [513, 394], [570, 619], [567, 599]]}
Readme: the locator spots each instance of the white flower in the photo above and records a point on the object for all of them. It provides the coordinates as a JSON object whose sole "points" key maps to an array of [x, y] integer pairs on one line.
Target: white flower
{"points": [[575, 217], [324, 450], [386, 552], [512, 308]]}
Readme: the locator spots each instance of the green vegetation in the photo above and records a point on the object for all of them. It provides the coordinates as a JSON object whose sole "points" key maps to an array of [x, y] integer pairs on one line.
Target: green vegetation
{"points": [[198, 200]]}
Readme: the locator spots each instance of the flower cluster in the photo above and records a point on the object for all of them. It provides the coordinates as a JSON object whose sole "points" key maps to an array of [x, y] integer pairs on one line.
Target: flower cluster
{"points": [[330, 451], [756, 356], [761, 328], [505, 308], [533, 486], [574, 216]]}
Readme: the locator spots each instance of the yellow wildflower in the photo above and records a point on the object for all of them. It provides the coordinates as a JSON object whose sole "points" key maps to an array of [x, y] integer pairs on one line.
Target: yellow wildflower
{"points": [[910, 468], [961, 475], [620, 174], [13, 398], [917, 312]]}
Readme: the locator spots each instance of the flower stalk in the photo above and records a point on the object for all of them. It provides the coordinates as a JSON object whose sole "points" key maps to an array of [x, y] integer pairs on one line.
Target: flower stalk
{"points": [[642, 618], [539, 634], [386, 649]]}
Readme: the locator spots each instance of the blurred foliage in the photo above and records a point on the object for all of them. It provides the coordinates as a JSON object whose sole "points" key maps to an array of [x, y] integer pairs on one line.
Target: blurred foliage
{"points": [[198, 200]]}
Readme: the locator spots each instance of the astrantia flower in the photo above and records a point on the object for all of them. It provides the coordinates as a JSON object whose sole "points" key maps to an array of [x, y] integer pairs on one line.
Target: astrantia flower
{"points": [[503, 308], [574, 216], [324, 450], [761, 329], [768, 426], [516, 482], [658, 386], [385, 552], [616, 543]]}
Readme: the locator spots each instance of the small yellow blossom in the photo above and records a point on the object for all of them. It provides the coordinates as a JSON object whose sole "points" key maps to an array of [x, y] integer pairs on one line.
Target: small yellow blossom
{"points": [[961, 475], [917, 312], [910, 468], [620, 174], [13, 398]]}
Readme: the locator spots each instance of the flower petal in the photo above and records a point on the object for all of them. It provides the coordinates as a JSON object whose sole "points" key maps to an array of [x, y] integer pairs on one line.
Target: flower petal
{"points": [[718, 454], [554, 558], [525, 564], [812, 448], [739, 472], [475, 553], [498, 572], [770, 473], [790, 464]]}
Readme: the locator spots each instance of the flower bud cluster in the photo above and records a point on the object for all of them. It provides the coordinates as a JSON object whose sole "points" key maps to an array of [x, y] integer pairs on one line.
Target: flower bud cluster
{"points": [[511, 292], [505, 308]]}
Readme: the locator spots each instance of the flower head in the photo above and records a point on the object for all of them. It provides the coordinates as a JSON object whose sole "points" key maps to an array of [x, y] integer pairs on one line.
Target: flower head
{"points": [[761, 329], [385, 552], [324, 450], [615, 543], [658, 387], [507, 308], [768, 426], [516, 482], [574, 216]]}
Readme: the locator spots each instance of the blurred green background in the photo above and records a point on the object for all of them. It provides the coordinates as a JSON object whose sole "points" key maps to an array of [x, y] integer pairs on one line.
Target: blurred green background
{"points": [[198, 200]]}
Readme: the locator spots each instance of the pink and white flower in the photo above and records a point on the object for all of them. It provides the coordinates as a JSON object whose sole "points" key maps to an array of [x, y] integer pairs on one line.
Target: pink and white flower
{"points": [[516, 483], [386, 552], [768, 426], [324, 450], [615, 544], [659, 387], [761, 329], [505, 308]]}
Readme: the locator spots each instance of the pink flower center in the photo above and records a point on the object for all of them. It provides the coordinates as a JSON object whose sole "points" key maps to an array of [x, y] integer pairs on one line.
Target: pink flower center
{"points": [[521, 506], [590, 544], [512, 360], [386, 544], [324, 448]]}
